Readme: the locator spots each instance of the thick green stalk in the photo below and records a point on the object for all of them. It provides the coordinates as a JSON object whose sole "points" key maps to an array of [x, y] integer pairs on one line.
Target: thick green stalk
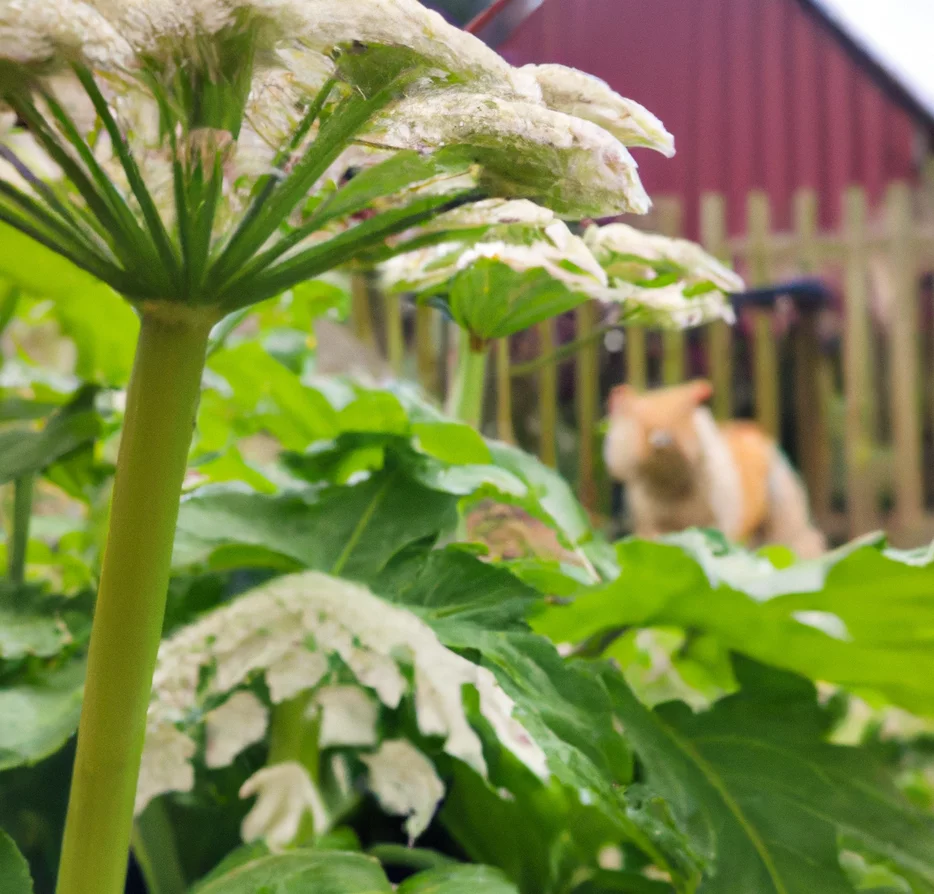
{"points": [[22, 511], [466, 399], [161, 405]]}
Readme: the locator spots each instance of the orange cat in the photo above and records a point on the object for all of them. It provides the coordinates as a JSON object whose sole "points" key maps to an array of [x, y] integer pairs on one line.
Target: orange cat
{"points": [[684, 470]]}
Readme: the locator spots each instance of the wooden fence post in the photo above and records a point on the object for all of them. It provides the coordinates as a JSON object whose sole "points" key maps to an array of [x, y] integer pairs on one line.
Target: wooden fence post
{"points": [[547, 396], [719, 334], [861, 493], [813, 375], [395, 333], [903, 342], [768, 406], [587, 393], [427, 349], [504, 428], [674, 343], [360, 313], [637, 365]]}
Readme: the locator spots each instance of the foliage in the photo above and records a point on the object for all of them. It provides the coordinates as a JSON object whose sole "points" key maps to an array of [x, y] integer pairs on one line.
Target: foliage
{"points": [[345, 667]]}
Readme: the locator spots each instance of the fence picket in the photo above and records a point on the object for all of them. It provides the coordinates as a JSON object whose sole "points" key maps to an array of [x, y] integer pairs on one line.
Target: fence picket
{"points": [[904, 352], [765, 354], [719, 334], [858, 386]]}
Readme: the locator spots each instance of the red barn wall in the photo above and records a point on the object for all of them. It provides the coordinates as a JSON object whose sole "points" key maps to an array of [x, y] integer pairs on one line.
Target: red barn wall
{"points": [[760, 94]]}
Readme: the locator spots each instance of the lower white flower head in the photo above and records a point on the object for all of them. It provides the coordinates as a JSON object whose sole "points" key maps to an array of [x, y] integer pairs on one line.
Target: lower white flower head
{"points": [[299, 632]]}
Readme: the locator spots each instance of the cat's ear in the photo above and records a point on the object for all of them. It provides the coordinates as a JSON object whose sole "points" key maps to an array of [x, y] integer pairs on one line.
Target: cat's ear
{"points": [[700, 390], [621, 398]]}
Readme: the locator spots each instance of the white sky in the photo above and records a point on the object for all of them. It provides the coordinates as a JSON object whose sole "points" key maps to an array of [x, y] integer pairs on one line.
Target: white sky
{"points": [[899, 33]]}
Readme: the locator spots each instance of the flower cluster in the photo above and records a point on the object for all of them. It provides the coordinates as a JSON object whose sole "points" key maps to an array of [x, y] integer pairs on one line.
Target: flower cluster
{"points": [[354, 656], [203, 149]]}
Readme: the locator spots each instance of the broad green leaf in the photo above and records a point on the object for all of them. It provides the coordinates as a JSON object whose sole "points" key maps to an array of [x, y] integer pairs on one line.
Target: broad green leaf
{"points": [[14, 870], [25, 631], [102, 325], [451, 442], [265, 395], [458, 880], [302, 872], [353, 531], [862, 617], [762, 794], [550, 497], [564, 706], [492, 300], [38, 716], [27, 452], [619, 882], [450, 584]]}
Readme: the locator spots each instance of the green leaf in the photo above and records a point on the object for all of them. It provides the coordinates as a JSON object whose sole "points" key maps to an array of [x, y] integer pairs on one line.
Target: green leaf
{"points": [[610, 882], [353, 531], [38, 716], [26, 452], [451, 442], [492, 300], [14, 870], [762, 794], [862, 617], [550, 499], [302, 872], [102, 325], [458, 880], [25, 629]]}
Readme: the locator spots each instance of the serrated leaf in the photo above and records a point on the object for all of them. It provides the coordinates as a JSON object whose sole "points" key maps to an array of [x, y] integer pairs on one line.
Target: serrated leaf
{"points": [[492, 300], [38, 717], [760, 792], [14, 870], [304, 872], [611, 882], [24, 632], [461, 879], [352, 531], [102, 325], [27, 452], [862, 617]]}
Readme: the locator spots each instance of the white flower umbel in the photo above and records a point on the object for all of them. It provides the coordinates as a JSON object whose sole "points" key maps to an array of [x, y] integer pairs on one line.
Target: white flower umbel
{"points": [[551, 248], [586, 96], [363, 639], [633, 254], [47, 34], [405, 783], [567, 163], [285, 794]]}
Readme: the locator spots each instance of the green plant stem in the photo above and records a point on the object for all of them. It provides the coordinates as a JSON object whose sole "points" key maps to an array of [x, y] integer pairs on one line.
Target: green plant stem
{"points": [[466, 399], [155, 852], [161, 405], [22, 511], [294, 736]]}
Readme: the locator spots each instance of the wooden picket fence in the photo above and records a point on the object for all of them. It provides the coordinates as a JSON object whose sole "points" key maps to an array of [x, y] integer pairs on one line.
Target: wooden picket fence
{"points": [[847, 388]]}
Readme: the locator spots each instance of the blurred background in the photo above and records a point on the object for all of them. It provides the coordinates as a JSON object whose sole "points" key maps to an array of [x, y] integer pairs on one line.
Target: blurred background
{"points": [[804, 133]]}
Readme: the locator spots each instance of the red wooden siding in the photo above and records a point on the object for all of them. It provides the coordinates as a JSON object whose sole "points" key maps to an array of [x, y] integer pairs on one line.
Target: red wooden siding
{"points": [[760, 94]]}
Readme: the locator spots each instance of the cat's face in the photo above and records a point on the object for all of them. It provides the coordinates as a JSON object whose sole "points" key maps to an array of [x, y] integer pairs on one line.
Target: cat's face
{"points": [[653, 435]]}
